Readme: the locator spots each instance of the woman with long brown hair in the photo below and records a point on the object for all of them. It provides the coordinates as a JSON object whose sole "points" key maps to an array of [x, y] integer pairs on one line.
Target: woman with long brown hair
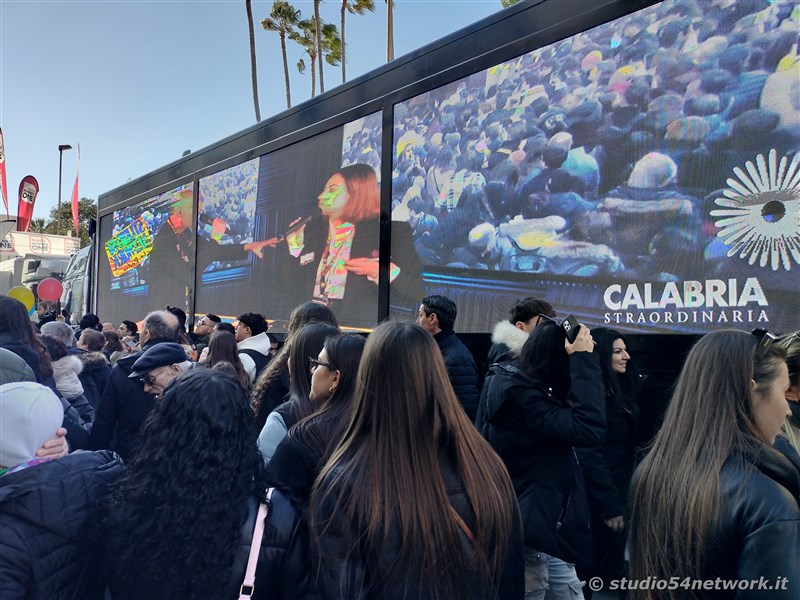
{"points": [[223, 348], [413, 503], [309, 341], [713, 500], [272, 386]]}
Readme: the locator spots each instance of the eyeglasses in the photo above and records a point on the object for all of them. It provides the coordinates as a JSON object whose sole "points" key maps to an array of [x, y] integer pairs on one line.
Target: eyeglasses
{"points": [[313, 363], [764, 344], [548, 318], [151, 379]]}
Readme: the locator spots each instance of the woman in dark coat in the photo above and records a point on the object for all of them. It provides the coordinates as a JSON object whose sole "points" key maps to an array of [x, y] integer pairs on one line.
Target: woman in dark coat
{"points": [[413, 503], [714, 501], [180, 520], [534, 413], [607, 468]]}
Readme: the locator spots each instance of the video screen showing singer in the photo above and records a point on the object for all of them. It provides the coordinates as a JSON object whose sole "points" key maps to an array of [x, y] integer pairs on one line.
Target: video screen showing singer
{"points": [[334, 254]]}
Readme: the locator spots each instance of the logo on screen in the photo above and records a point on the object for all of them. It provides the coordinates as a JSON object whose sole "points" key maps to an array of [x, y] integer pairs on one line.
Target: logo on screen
{"points": [[760, 220]]}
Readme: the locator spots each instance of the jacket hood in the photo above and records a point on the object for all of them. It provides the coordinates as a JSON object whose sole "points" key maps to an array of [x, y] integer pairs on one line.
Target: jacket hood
{"points": [[50, 494], [505, 333], [67, 366], [259, 343], [92, 360]]}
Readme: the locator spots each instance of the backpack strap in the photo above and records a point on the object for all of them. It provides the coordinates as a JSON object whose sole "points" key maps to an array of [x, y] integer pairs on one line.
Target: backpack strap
{"points": [[259, 359], [248, 585]]}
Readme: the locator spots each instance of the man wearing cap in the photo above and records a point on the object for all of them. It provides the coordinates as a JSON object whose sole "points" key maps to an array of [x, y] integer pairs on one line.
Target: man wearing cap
{"points": [[126, 403], [158, 366]]}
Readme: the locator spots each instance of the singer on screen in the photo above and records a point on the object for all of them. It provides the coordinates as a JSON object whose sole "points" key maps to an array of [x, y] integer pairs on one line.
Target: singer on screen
{"points": [[336, 256]]}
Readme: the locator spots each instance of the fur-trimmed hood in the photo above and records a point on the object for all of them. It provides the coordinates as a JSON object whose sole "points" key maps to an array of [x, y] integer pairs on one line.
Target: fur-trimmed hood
{"points": [[505, 333], [91, 360], [65, 372]]}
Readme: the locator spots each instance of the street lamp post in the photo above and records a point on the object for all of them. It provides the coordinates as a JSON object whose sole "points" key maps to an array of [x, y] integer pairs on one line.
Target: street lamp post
{"points": [[61, 149]]}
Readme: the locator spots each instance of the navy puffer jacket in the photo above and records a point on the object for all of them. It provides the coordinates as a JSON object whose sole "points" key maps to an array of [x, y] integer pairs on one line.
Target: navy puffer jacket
{"points": [[44, 515]]}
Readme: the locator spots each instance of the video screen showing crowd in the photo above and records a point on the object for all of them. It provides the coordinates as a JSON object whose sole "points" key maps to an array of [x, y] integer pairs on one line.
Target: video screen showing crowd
{"points": [[351, 466], [659, 149]]}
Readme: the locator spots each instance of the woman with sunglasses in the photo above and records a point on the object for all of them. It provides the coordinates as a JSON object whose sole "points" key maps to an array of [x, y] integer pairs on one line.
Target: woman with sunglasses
{"points": [[534, 412], [713, 500], [791, 429], [308, 341], [308, 445], [412, 503], [180, 520]]}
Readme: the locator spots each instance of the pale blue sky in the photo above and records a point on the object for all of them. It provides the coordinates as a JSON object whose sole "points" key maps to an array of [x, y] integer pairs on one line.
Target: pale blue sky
{"points": [[137, 82]]}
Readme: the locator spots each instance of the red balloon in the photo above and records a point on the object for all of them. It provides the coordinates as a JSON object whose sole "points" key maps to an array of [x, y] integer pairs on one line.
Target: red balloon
{"points": [[50, 289]]}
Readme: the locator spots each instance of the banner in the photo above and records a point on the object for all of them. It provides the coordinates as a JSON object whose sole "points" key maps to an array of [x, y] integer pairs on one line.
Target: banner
{"points": [[28, 190], [3, 172], [75, 194]]}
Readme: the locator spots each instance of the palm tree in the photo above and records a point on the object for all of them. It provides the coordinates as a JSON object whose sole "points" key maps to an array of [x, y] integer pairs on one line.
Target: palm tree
{"points": [[318, 38], [37, 225], [356, 7], [253, 73], [331, 45], [283, 18], [389, 30]]}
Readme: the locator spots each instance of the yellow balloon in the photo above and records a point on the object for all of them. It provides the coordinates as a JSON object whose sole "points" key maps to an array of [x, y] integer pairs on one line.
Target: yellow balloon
{"points": [[24, 295]]}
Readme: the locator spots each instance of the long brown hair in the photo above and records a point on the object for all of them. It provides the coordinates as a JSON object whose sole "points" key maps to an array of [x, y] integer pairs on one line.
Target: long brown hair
{"points": [[675, 493], [308, 312], [223, 348], [386, 472]]}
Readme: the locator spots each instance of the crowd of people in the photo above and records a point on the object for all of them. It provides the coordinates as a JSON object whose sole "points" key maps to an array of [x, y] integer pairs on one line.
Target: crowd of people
{"points": [[602, 153], [340, 465]]}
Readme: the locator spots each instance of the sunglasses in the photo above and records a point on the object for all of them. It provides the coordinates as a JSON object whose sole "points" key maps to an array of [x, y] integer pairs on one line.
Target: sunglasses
{"points": [[313, 363], [764, 344], [151, 379]]}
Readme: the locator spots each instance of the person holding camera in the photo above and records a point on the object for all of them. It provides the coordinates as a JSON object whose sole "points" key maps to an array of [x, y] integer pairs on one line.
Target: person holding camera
{"points": [[533, 412]]}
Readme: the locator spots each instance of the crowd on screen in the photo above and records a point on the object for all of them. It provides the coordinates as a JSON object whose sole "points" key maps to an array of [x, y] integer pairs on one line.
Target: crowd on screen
{"points": [[156, 460], [230, 195], [602, 153]]}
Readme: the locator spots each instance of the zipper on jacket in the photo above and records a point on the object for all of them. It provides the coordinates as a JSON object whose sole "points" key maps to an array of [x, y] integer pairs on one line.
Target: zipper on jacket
{"points": [[562, 517]]}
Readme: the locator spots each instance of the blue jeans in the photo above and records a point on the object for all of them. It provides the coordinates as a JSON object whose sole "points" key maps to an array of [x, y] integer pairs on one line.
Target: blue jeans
{"points": [[550, 578]]}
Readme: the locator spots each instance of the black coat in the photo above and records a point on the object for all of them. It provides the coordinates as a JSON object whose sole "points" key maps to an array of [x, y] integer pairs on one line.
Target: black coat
{"points": [[123, 409], [461, 370], [757, 531], [343, 568], [358, 308], [45, 511], [283, 563], [534, 429], [27, 353], [608, 468], [94, 376]]}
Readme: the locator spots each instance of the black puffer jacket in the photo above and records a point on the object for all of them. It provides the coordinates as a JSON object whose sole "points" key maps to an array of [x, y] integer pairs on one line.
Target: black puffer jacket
{"points": [[44, 514], [534, 429], [283, 563], [461, 370], [344, 568]]}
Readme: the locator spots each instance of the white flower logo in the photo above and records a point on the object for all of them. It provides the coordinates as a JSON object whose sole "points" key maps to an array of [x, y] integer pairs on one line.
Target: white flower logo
{"points": [[761, 219]]}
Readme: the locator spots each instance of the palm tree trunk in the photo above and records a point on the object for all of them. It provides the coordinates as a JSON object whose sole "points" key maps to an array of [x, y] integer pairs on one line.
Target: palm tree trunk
{"points": [[253, 71], [319, 46], [389, 31], [344, 76], [286, 70], [313, 77]]}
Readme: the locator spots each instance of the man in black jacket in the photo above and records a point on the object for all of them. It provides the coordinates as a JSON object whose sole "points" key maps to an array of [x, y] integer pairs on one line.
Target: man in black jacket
{"points": [[437, 315], [125, 405], [509, 336]]}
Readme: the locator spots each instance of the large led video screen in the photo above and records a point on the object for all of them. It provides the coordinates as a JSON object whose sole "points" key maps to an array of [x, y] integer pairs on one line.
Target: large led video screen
{"points": [[305, 221], [147, 256], [642, 174]]}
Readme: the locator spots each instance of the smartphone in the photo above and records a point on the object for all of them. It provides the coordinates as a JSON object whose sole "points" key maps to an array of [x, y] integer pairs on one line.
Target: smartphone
{"points": [[571, 328]]}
